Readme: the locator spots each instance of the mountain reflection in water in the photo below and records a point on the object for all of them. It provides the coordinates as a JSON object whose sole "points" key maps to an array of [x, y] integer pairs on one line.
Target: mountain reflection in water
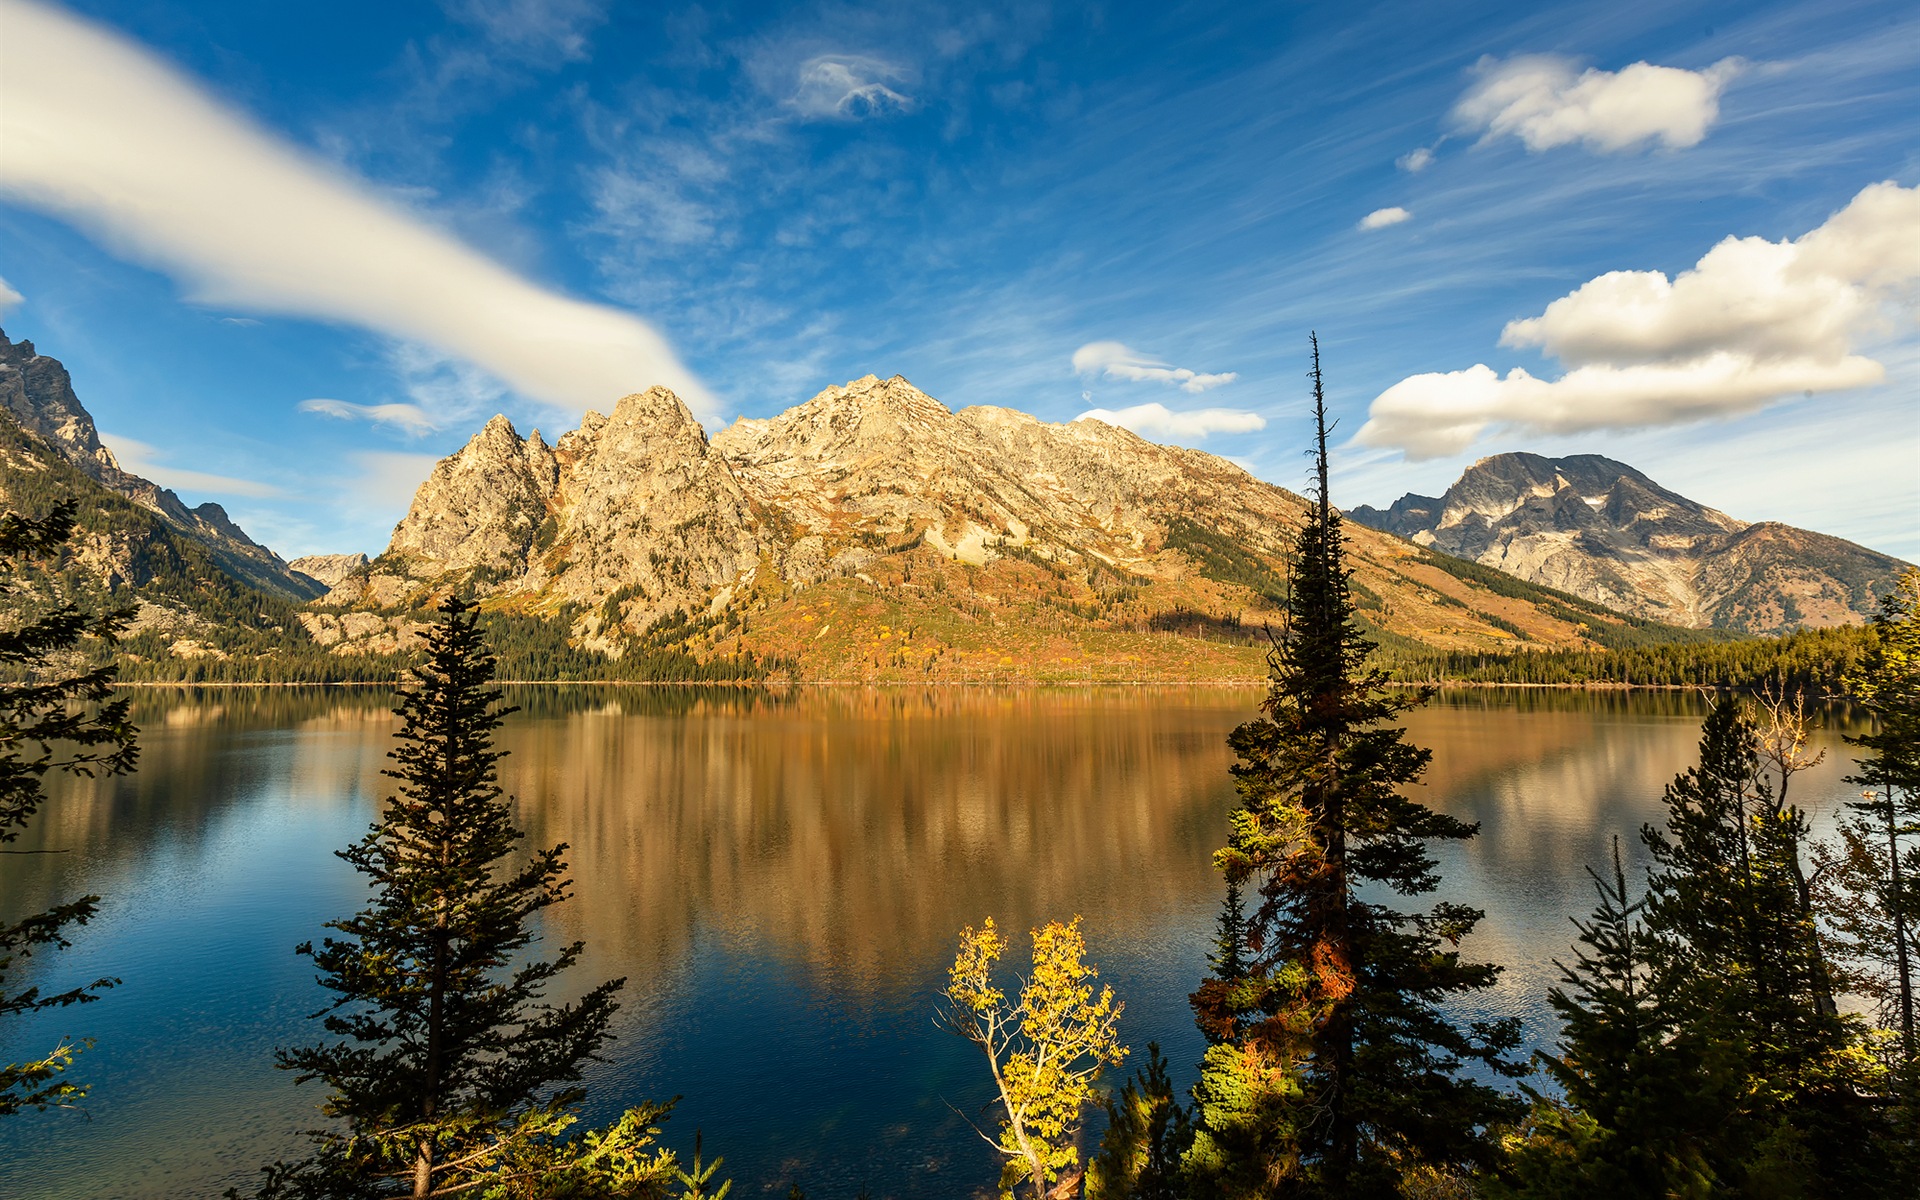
{"points": [[780, 877]]}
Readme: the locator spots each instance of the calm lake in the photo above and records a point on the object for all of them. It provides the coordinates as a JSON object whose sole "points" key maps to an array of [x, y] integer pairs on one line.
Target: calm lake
{"points": [[780, 878]]}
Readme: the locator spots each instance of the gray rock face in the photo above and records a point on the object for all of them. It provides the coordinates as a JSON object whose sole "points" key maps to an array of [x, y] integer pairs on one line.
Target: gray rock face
{"points": [[1600, 529], [636, 504], [38, 393], [328, 569], [635, 515], [883, 456]]}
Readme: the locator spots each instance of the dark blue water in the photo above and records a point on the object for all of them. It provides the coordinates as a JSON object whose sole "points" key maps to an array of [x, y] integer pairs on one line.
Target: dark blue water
{"points": [[781, 880]]}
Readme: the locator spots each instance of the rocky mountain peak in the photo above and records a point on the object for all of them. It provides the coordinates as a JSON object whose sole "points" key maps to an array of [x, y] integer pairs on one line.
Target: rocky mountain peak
{"points": [[1599, 528], [37, 392]]}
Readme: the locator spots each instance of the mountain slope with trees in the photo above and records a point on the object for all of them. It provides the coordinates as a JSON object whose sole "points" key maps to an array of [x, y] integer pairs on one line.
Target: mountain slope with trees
{"points": [[872, 533]]}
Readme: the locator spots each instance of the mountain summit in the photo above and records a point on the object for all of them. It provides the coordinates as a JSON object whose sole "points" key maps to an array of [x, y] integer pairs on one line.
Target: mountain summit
{"points": [[1605, 531], [872, 532], [37, 393]]}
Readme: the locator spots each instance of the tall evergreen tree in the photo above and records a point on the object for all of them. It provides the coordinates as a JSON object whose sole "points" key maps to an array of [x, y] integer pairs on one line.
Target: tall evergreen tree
{"points": [[1741, 966], [1338, 1072], [450, 1073], [1870, 876], [1636, 1089], [1873, 875], [57, 715]]}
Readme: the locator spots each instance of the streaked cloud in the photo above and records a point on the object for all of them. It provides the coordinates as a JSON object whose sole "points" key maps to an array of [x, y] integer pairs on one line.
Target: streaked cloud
{"points": [[1114, 360], [539, 30], [1543, 100], [849, 87], [1752, 322], [102, 133], [1380, 218], [145, 460], [1160, 421], [8, 297], [388, 479], [408, 418]]}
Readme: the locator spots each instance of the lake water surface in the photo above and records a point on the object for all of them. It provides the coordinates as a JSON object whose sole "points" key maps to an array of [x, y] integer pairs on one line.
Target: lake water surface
{"points": [[780, 878]]}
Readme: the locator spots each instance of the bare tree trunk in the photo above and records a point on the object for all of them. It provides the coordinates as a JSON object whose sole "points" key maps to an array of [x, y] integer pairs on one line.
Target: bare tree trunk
{"points": [[1897, 903]]}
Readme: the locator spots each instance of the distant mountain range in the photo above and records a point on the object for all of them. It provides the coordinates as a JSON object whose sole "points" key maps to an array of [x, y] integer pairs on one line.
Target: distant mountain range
{"points": [[1602, 530], [37, 392], [869, 533]]}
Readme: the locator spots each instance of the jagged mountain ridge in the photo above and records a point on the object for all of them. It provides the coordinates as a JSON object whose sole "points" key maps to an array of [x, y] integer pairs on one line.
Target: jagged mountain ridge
{"points": [[1602, 530], [38, 393], [871, 515]]}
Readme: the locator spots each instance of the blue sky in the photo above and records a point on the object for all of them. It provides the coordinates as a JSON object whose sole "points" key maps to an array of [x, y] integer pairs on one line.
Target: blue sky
{"points": [[294, 252]]}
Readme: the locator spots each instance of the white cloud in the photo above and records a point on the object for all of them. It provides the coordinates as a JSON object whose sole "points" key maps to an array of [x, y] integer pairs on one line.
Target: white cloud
{"points": [[852, 86], [1753, 321], [8, 297], [409, 418], [1380, 218], [103, 133], [139, 458], [538, 30], [1540, 99], [1166, 422], [388, 479], [1116, 361], [1416, 160]]}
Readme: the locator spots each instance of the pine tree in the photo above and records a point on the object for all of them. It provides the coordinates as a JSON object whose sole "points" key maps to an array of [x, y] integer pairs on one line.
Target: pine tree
{"points": [[450, 1073], [1874, 895], [1635, 1090], [1147, 1134], [57, 715], [1341, 1073], [1741, 966], [1870, 878]]}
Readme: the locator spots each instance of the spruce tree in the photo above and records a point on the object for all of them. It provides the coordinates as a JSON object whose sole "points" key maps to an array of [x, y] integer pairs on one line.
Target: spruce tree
{"points": [[450, 1073], [1635, 1088], [1871, 876], [1741, 967], [1338, 1071], [58, 715]]}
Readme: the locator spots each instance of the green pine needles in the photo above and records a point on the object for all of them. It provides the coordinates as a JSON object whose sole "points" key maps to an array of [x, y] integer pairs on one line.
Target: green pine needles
{"points": [[450, 1074], [57, 715], [1337, 1069]]}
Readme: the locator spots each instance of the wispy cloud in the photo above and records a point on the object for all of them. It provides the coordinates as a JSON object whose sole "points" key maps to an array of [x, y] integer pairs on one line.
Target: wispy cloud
{"points": [[102, 133], [1753, 321], [388, 479], [9, 297], [1416, 160], [141, 459], [408, 418], [1545, 102], [535, 30], [1114, 360], [1380, 218], [1159, 420], [849, 87]]}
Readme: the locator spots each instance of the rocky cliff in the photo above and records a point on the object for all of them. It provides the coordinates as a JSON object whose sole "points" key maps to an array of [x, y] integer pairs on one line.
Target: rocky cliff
{"points": [[1602, 530], [38, 394], [872, 532], [327, 569]]}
